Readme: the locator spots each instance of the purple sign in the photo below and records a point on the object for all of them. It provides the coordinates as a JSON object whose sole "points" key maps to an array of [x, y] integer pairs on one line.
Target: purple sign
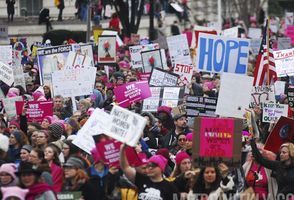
{"points": [[131, 93]]}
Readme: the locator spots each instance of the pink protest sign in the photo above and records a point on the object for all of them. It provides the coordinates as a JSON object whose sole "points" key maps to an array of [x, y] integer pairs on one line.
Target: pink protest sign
{"points": [[109, 152], [290, 33], [143, 76], [216, 137], [36, 110], [132, 92]]}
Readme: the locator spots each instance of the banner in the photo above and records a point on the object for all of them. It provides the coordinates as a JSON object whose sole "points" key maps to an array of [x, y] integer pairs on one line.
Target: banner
{"points": [[217, 140], [284, 61], [135, 53], [185, 73], [234, 95], [151, 59], [9, 106], [51, 59], [218, 54], [161, 77], [109, 152], [290, 95], [6, 54], [126, 126], [260, 95], [76, 61], [6, 74], [75, 82], [284, 43], [201, 106], [272, 112], [36, 110], [132, 92], [163, 96], [107, 49], [179, 50], [282, 133]]}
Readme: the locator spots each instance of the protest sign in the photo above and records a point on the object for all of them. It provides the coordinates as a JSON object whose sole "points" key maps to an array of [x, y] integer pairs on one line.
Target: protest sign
{"points": [[201, 106], [74, 82], [284, 61], [76, 60], [85, 49], [51, 59], [6, 54], [69, 195], [282, 133], [231, 32], [290, 95], [16, 58], [36, 110], [151, 59], [289, 18], [255, 46], [220, 54], [9, 106], [205, 30], [272, 112], [290, 33], [179, 110], [260, 95], [185, 73], [163, 59], [284, 43], [161, 77], [107, 49], [163, 96], [3, 31], [135, 53], [143, 76], [233, 101], [126, 126], [97, 31], [19, 76], [179, 49], [254, 33], [109, 152], [113, 33], [177, 7], [132, 92], [6, 74], [217, 140], [279, 87]]}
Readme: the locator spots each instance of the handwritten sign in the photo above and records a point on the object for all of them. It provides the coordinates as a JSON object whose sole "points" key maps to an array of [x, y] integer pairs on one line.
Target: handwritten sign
{"points": [[161, 77], [260, 95], [9, 106], [135, 53], [284, 60], [272, 112], [185, 73], [6, 74], [201, 106]]}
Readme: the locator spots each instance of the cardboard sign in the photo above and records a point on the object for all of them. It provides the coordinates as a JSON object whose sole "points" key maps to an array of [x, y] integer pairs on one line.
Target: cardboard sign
{"points": [[284, 43], [126, 126], [6, 74], [201, 106], [179, 49], [75, 82], [232, 102], [9, 106], [272, 112], [109, 151], [254, 33], [36, 110], [132, 92], [185, 73], [255, 46], [231, 32], [218, 54], [107, 49], [163, 96], [290, 33], [290, 95], [260, 95], [217, 140], [161, 77], [283, 132], [151, 59], [51, 59], [284, 61], [76, 61], [179, 110], [69, 195], [135, 53], [6, 54]]}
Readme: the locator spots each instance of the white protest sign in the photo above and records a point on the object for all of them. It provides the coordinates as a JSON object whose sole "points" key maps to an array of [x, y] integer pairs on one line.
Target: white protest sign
{"points": [[272, 112], [234, 95], [6, 54], [255, 46], [9, 106], [6, 74], [16, 62], [219, 54], [163, 59], [284, 60], [75, 82], [118, 40], [19, 76], [261, 94], [279, 87], [135, 53], [284, 43], [177, 7], [231, 32], [185, 72], [179, 49], [254, 33], [126, 126], [76, 60], [289, 18], [160, 77]]}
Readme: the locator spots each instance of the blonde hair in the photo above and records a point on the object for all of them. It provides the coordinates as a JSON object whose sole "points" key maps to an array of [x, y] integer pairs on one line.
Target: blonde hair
{"points": [[290, 147]]}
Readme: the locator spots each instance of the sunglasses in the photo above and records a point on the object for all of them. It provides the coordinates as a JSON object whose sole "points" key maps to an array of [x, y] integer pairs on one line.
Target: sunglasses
{"points": [[182, 139], [152, 165]]}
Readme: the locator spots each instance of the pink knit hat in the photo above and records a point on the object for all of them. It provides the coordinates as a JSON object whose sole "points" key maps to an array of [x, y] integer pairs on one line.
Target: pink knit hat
{"points": [[189, 136], [159, 160], [181, 156], [15, 123], [14, 191], [49, 118], [8, 168]]}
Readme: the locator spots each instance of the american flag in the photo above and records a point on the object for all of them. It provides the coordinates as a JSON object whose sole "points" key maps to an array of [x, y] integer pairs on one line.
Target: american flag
{"points": [[265, 62]]}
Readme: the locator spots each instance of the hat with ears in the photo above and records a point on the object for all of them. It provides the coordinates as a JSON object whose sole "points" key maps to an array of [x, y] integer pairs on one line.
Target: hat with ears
{"points": [[9, 168], [14, 191], [158, 160], [181, 156]]}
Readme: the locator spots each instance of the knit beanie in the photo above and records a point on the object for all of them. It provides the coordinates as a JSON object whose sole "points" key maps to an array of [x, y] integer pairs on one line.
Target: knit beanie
{"points": [[159, 160], [56, 130], [181, 156], [9, 168], [14, 191]]}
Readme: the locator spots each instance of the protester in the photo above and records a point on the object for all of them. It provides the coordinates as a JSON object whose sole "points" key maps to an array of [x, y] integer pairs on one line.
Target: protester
{"points": [[25, 152], [7, 175]]}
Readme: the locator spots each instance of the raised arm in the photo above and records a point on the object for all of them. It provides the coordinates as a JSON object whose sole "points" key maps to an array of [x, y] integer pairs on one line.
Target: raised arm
{"points": [[129, 171]]}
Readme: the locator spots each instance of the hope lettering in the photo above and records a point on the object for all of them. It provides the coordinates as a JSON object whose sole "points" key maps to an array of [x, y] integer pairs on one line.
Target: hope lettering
{"points": [[223, 55]]}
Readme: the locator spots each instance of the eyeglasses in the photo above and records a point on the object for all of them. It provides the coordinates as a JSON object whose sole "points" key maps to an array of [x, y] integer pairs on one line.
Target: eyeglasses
{"points": [[152, 165], [182, 139]]}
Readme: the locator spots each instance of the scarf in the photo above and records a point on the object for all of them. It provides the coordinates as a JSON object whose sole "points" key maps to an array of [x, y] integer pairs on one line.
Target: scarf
{"points": [[37, 189]]}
